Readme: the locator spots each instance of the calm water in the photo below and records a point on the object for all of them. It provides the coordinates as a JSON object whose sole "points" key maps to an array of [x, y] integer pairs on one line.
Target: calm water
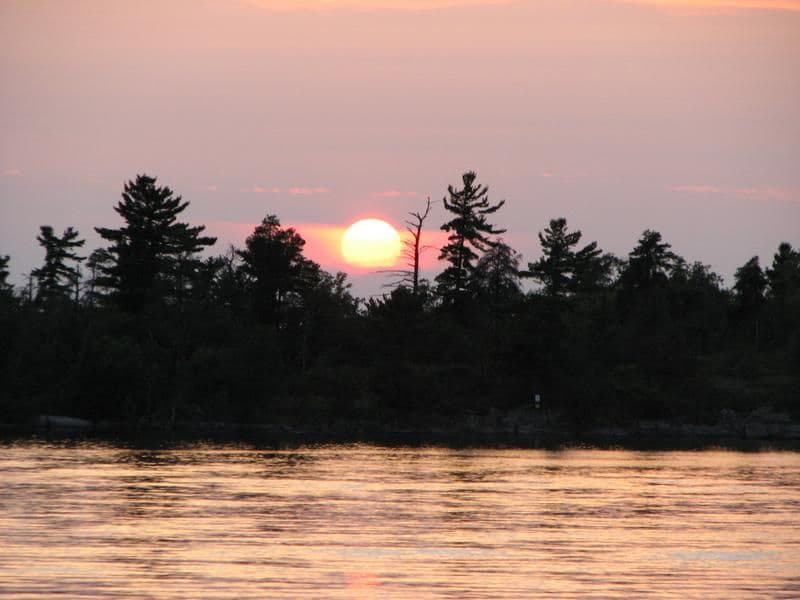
{"points": [[359, 521]]}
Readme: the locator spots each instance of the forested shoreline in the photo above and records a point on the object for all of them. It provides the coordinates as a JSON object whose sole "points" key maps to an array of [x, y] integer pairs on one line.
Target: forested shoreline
{"points": [[155, 329]]}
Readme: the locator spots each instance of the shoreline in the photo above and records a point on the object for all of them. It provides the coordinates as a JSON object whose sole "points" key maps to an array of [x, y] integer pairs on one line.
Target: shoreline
{"points": [[645, 434]]}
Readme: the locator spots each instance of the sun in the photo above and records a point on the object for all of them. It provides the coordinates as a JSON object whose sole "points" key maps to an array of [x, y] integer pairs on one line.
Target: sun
{"points": [[371, 243]]}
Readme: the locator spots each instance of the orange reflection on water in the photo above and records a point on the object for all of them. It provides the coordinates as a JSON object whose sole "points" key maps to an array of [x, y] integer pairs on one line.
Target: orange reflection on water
{"points": [[364, 521]]}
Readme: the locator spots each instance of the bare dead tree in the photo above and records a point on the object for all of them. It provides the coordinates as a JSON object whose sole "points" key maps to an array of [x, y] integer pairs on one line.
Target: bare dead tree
{"points": [[413, 246], [412, 250]]}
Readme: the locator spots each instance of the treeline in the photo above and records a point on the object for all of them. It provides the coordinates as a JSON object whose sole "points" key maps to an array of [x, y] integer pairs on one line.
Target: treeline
{"points": [[147, 330]]}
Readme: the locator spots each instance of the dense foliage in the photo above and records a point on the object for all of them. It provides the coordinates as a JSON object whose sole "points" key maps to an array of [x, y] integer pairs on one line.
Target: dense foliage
{"points": [[151, 332]]}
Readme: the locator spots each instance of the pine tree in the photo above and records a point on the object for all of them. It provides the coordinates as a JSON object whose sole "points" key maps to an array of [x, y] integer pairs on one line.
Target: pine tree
{"points": [[497, 274], [784, 274], [784, 292], [563, 270], [555, 267], [98, 261], [152, 253], [650, 262], [469, 234], [750, 286], [59, 276]]}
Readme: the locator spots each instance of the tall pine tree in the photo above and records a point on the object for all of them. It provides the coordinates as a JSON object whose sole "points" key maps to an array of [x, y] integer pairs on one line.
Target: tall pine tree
{"points": [[469, 234], [151, 253]]}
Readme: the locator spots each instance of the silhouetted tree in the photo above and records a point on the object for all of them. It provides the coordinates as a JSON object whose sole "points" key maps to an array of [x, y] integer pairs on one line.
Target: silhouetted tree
{"points": [[414, 246], [319, 312], [496, 275], [562, 269], [149, 255], [698, 304], [9, 326], [469, 234], [59, 276], [784, 274], [750, 284], [412, 249], [594, 269], [230, 284], [5, 287], [784, 293], [556, 265], [649, 263], [265, 334], [274, 264], [98, 261]]}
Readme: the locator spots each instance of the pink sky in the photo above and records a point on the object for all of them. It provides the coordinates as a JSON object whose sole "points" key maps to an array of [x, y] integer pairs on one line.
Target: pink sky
{"points": [[619, 115]]}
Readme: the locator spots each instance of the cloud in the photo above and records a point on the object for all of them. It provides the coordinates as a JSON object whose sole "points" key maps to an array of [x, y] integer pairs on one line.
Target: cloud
{"points": [[293, 191], [394, 194], [405, 5], [695, 189], [305, 191], [761, 194], [260, 189], [764, 194], [12, 173], [682, 6], [701, 6], [205, 188], [557, 175]]}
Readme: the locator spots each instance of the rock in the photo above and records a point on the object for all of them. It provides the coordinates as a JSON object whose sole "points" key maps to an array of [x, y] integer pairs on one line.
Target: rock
{"points": [[60, 422]]}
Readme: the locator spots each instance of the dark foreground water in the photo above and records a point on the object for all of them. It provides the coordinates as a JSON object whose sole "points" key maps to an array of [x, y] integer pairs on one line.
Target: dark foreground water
{"points": [[360, 521]]}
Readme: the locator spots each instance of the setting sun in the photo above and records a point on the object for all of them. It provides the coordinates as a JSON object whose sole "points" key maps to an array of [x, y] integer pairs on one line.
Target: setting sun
{"points": [[371, 243]]}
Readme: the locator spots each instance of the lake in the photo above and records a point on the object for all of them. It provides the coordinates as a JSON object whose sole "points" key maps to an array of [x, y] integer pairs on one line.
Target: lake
{"points": [[221, 520]]}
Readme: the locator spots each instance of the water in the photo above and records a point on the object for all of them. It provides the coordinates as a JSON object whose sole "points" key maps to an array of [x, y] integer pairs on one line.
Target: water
{"points": [[360, 521]]}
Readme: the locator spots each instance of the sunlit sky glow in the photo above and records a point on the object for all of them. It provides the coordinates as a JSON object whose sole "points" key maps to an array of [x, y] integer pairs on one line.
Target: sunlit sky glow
{"points": [[620, 115]]}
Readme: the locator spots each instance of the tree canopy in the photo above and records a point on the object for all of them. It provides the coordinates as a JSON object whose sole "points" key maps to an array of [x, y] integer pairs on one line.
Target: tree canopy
{"points": [[470, 234], [58, 277], [151, 254], [275, 267], [164, 332], [561, 269]]}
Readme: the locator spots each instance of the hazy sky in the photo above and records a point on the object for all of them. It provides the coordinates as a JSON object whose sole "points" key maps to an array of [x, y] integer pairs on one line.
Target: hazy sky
{"points": [[681, 116]]}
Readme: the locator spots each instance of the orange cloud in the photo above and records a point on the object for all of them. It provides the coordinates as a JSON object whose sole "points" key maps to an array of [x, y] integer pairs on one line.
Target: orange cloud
{"points": [[714, 5], [683, 6], [304, 191], [258, 189], [407, 5], [294, 191]]}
